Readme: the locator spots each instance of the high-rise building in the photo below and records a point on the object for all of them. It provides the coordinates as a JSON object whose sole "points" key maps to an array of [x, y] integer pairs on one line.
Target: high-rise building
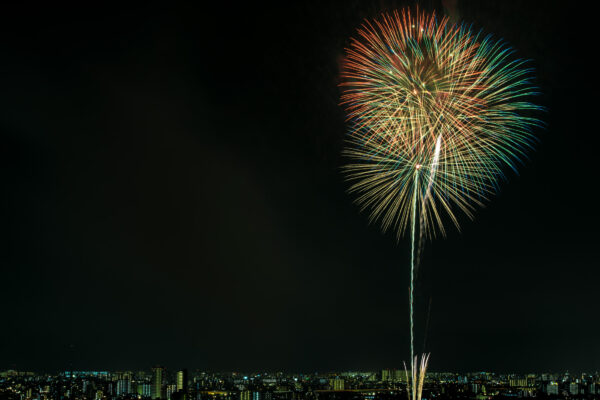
{"points": [[144, 389], [391, 375], [123, 387], [518, 381], [171, 389], [158, 383], [337, 383], [574, 388], [545, 377], [245, 395], [123, 382], [182, 380], [531, 380], [552, 388]]}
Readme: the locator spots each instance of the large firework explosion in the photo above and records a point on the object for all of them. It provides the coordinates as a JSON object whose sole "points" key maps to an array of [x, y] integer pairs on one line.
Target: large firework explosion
{"points": [[436, 113]]}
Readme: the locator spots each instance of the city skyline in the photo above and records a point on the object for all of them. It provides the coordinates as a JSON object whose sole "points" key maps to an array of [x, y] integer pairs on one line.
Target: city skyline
{"points": [[174, 195], [385, 384]]}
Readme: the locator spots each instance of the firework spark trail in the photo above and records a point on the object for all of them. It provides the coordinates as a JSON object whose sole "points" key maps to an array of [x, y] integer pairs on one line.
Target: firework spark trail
{"points": [[434, 165], [416, 379], [415, 260], [412, 266], [422, 372], [427, 325]]}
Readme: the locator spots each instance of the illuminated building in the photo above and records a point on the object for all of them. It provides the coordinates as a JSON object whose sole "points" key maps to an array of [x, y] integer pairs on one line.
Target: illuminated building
{"points": [[158, 378], [123, 383], [392, 375], [144, 389], [338, 383], [545, 377], [530, 380], [182, 381], [552, 388], [171, 389], [518, 382], [574, 388]]}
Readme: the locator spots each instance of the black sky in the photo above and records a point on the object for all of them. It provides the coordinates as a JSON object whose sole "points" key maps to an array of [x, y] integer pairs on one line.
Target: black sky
{"points": [[172, 195]]}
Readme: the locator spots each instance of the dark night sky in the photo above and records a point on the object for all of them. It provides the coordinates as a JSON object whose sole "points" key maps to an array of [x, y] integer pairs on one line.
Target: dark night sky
{"points": [[172, 195]]}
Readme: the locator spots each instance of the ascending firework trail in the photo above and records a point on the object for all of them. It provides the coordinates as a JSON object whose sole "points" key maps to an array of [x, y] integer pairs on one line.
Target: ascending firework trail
{"points": [[435, 113]]}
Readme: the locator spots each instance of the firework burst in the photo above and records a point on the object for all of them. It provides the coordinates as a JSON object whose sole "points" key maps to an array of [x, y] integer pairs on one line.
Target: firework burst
{"points": [[436, 113]]}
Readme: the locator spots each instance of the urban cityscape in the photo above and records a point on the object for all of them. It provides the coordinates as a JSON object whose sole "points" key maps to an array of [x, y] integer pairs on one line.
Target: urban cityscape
{"points": [[387, 384]]}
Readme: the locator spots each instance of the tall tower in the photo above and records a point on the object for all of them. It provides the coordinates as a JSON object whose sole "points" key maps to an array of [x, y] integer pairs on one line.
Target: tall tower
{"points": [[158, 380], [182, 379], [182, 384]]}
